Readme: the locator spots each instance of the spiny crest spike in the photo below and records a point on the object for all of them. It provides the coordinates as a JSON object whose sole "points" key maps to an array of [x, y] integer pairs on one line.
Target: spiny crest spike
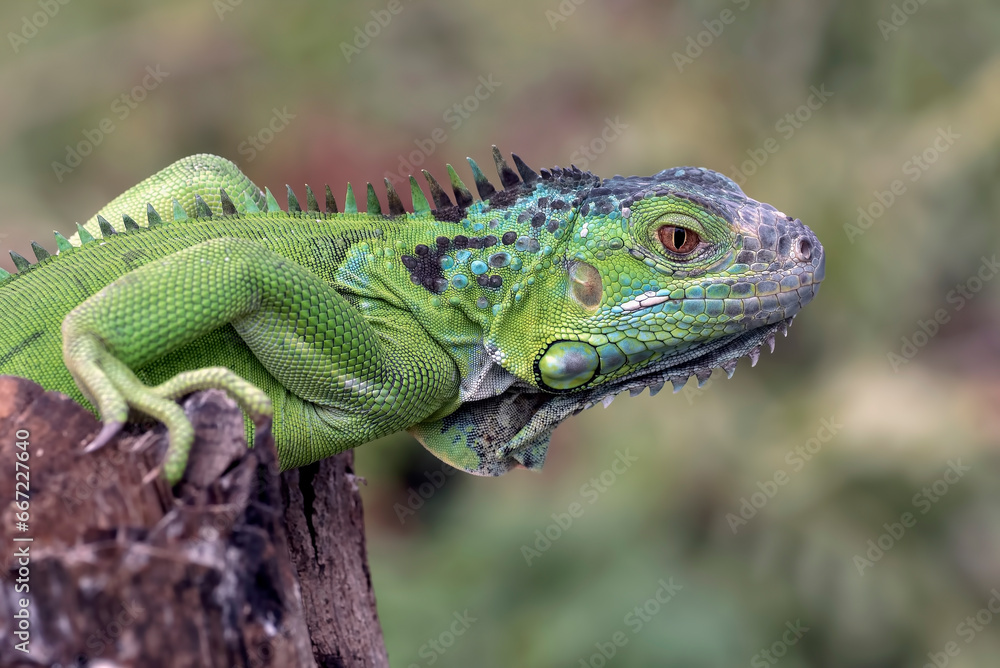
{"points": [[129, 223], [152, 217], [483, 185], [272, 204], [440, 197], [350, 203], [678, 384], [250, 204], [311, 203], [463, 197], [40, 252], [201, 208], [507, 175], [20, 262], [420, 204], [293, 201], [62, 243], [331, 201], [85, 236], [179, 213], [655, 388], [4, 274], [527, 173], [106, 229], [396, 207], [374, 206], [228, 208]]}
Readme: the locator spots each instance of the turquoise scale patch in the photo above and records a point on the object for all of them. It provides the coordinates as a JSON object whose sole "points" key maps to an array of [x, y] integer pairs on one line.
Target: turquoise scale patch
{"points": [[717, 291], [640, 357], [612, 358], [460, 281], [478, 267], [693, 306], [631, 346]]}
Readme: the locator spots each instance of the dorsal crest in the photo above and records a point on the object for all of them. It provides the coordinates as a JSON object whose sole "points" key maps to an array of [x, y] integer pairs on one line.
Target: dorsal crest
{"points": [[513, 182]]}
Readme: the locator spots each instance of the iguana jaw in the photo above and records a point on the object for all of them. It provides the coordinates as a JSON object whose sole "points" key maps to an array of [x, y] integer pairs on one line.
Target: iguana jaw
{"points": [[723, 353]]}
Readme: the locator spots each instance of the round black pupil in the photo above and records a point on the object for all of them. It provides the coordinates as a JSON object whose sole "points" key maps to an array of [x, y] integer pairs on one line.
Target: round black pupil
{"points": [[679, 237]]}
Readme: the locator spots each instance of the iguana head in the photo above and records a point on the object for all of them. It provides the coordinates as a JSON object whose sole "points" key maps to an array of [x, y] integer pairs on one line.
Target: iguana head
{"points": [[644, 280], [659, 278]]}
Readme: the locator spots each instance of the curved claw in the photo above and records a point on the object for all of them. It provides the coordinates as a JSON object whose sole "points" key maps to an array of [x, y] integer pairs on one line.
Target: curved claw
{"points": [[107, 434]]}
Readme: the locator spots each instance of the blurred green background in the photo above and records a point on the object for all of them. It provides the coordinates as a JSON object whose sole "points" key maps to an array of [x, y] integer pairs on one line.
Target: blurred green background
{"points": [[765, 553]]}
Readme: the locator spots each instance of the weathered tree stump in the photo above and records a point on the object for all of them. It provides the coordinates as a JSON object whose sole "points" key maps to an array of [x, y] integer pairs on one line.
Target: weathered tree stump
{"points": [[238, 565]]}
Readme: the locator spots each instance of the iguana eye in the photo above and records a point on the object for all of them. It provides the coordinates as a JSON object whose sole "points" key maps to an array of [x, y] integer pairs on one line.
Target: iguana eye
{"points": [[679, 240]]}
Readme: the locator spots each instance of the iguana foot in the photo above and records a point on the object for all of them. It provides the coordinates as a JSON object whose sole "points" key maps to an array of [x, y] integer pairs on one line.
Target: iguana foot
{"points": [[114, 389]]}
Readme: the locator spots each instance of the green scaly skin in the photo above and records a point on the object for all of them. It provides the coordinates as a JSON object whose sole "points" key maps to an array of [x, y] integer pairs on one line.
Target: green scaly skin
{"points": [[476, 325]]}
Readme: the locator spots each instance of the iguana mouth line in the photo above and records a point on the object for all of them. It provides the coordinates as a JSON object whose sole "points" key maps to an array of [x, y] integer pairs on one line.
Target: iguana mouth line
{"points": [[746, 343], [723, 356], [655, 298]]}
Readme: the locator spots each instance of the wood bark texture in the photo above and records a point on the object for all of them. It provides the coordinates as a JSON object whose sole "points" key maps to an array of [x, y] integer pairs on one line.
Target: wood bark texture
{"points": [[237, 566]]}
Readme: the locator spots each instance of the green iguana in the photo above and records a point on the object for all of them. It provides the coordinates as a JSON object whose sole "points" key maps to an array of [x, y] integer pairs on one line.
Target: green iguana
{"points": [[478, 326]]}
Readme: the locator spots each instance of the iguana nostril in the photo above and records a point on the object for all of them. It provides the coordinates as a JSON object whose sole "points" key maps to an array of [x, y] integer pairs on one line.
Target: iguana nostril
{"points": [[803, 249]]}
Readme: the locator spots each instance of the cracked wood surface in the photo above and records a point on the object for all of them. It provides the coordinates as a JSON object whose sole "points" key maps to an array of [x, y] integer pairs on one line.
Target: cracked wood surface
{"points": [[236, 566]]}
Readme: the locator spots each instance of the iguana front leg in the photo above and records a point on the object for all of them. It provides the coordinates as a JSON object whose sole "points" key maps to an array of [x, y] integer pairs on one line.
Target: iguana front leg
{"points": [[361, 384]]}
